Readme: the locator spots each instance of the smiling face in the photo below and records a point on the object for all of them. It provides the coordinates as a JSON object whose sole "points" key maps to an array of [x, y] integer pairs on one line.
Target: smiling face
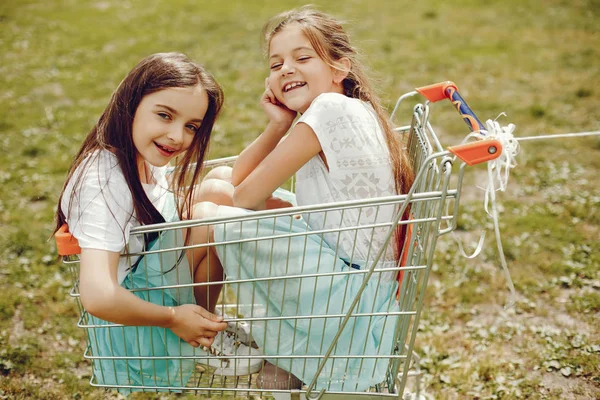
{"points": [[298, 75], [165, 123]]}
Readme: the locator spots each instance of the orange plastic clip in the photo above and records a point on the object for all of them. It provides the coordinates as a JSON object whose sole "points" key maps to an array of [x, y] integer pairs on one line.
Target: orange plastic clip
{"points": [[437, 91], [66, 243], [478, 152]]}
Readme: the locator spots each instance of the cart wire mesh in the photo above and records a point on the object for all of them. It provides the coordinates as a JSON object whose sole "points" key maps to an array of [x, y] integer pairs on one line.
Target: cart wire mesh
{"points": [[342, 364]]}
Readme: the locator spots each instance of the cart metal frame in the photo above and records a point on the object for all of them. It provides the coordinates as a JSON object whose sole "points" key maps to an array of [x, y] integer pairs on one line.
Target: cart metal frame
{"points": [[434, 201]]}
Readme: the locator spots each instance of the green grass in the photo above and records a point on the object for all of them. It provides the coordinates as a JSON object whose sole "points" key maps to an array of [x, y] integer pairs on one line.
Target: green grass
{"points": [[536, 61]]}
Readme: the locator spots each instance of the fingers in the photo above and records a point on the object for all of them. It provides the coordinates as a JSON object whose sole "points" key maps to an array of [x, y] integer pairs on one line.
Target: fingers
{"points": [[202, 341], [212, 322], [268, 95], [206, 339], [206, 342], [209, 334], [208, 315]]}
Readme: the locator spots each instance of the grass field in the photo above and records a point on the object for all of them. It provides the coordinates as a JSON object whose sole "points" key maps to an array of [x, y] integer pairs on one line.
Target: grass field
{"points": [[539, 62]]}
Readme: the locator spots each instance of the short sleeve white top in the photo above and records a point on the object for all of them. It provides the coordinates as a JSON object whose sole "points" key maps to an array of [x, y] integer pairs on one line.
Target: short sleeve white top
{"points": [[100, 214], [358, 167]]}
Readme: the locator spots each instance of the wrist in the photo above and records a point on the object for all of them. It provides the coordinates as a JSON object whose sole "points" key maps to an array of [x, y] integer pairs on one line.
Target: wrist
{"points": [[170, 319], [279, 127]]}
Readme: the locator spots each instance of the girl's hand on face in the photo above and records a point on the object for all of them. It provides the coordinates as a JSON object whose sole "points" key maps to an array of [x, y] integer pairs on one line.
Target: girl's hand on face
{"points": [[195, 325], [277, 113]]}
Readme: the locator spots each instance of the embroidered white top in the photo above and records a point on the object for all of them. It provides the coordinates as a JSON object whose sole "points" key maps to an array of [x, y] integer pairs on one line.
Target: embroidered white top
{"points": [[357, 156]]}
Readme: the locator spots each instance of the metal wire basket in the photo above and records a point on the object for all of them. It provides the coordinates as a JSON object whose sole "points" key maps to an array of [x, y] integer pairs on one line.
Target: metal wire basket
{"points": [[433, 202]]}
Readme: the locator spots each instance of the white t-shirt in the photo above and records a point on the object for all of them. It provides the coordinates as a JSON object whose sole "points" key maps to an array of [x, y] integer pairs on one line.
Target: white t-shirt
{"points": [[101, 214], [355, 148]]}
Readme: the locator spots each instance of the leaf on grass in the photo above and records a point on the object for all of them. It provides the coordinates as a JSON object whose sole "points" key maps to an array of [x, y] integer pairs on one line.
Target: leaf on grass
{"points": [[595, 348], [578, 341], [566, 371], [552, 365]]}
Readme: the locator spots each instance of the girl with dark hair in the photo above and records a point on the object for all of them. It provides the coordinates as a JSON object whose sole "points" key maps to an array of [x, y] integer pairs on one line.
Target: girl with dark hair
{"points": [[341, 148], [164, 110]]}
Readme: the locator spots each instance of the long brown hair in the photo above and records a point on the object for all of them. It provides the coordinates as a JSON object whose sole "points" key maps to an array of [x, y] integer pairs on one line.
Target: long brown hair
{"points": [[113, 131], [330, 41]]}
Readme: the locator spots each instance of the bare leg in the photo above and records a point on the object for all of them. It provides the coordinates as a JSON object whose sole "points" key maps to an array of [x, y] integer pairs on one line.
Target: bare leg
{"points": [[216, 187], [204, 263], [214, 196], [209, 270], [223, 173], [205, 266], [216, 191]]}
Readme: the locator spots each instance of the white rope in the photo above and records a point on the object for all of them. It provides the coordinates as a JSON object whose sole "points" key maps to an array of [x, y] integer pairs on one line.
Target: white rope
{"points": [[559, 136], [490, 195], [477, 250], [498, 173]]}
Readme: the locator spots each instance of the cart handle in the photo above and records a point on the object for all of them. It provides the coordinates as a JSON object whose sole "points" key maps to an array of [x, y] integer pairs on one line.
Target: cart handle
{"points": [[449, 90], [66, 243], [474, 152]]}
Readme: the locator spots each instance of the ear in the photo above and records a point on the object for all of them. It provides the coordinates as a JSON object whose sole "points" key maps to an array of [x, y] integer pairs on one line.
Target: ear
{"points": [[342, 69]]}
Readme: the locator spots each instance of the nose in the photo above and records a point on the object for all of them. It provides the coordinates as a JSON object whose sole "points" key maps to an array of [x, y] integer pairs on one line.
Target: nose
{"points": [[287, 68], [175, 134]]}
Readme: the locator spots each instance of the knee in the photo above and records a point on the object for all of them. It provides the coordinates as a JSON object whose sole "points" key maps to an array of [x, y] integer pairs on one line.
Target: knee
{"points": [[204, 209], [223, 173], [216, 191]]}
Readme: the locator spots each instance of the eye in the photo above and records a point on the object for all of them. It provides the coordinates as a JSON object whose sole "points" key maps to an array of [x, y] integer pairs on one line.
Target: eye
{"points": [[304, 58], [164, 115], [192, 127], [276, 66]]}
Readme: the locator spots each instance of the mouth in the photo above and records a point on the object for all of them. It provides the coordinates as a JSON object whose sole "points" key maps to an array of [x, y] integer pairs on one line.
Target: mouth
{"points": [[165, 150], [293, 85]]}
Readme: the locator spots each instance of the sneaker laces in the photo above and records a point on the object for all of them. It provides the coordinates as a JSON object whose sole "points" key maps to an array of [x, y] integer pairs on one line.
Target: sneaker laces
{"points": [[240, 329], [227, 344]]}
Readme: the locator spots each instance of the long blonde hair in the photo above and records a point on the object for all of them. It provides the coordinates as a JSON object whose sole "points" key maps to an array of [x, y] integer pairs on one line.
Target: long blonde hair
{"points": [[330, 41]]}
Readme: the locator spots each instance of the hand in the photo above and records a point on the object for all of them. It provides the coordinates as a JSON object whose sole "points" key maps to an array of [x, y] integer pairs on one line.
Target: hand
{"points": [[195, 325], [277, 113], [276, 202]]}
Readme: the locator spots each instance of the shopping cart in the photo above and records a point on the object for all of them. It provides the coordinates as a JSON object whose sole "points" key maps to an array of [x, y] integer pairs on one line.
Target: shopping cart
{"points": [[433, 201]]}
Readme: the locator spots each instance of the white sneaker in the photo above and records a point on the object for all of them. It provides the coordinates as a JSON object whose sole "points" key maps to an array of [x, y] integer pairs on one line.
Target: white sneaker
{"points": [[226, 345], [241, 332], [240, 329]]}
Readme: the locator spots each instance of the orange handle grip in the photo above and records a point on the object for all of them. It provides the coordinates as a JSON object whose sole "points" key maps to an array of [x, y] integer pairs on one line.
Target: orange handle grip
{"points": [[66, 243], [437, 91], [448, 90], [477, 152]]}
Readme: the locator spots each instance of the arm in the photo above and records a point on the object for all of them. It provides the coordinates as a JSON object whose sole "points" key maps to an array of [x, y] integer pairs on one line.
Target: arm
{"points": [[252, 155], [280, 120], [103, 297], [278, 166]]}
